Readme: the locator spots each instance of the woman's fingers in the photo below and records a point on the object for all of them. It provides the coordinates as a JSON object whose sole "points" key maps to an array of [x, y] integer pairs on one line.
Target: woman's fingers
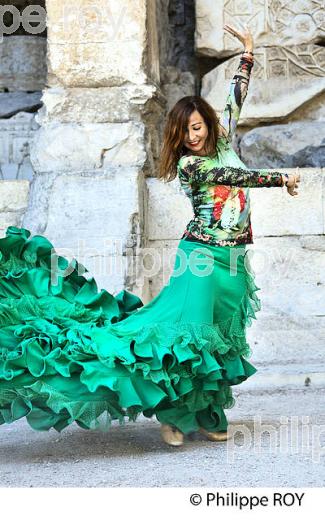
{"points": [[232, 30], [296, 176], [292, 190], [244, 37], [241, 26]]}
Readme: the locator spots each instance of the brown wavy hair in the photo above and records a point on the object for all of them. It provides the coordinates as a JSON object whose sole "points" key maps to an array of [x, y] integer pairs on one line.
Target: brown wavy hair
{"points": [[175, 129]]}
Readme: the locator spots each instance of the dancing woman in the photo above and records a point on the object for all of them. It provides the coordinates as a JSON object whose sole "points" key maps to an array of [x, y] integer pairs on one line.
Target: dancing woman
{"points": [[69, 353], [198, 147]]}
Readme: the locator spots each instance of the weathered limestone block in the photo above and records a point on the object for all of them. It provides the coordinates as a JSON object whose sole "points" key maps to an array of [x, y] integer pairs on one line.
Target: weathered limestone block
{"points": [[285, 146], [10, 218], [267, 333], [282, 81], [314, 110], [276, 213], [95, 105], [177, 85], [93, 146], [69, 147], [273, 23], [169, 209], [86, 205], [16, 138], [13, 195], [99, 43], [96, 220], [36, 215], [159, 263], [290, 273], [13, 203], [23, 63], [293, 273]]}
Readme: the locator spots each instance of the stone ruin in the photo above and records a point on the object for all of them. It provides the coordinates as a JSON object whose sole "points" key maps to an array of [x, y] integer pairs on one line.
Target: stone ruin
{"points": [[82, 109]]}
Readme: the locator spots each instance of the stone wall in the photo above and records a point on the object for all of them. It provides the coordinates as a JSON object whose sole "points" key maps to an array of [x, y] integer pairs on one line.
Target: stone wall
{"points": [[95, 135], [22, 78], [13, 202], [288, 78], [91, 151]]}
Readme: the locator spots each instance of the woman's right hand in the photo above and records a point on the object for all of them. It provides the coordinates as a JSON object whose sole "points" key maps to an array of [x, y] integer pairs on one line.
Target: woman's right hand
{"points": [[292, 182], [245, 37]]}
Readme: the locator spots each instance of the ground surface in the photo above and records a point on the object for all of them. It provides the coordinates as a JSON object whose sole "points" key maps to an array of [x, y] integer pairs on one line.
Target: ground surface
{"points": [[134, 455]]}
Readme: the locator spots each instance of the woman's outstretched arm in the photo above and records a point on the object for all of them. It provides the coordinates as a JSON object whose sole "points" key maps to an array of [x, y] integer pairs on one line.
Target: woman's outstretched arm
{"points": [[236, 97], [240, 81], [196, 170]]}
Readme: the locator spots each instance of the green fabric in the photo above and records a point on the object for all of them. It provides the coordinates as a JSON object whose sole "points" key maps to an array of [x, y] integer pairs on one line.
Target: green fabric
{"points": [[69, 352]]}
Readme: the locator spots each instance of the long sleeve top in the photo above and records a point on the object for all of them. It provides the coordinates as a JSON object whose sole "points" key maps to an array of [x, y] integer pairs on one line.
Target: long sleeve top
{"points": [[219, 187]]}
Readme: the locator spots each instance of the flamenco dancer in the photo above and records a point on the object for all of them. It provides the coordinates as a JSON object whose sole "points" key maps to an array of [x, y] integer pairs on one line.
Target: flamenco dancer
{"points": [[69, 353]]}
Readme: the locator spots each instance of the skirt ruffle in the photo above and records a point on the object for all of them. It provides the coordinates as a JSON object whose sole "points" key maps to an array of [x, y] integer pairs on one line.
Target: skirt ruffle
{"points": [[66, 356]]}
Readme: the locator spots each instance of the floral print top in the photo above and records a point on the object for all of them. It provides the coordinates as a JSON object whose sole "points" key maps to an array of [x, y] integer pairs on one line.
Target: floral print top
{"points": [[219, 187]]}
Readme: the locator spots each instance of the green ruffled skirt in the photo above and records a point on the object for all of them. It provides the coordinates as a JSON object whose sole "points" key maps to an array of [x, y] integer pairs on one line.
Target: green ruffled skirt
{"points": [[72, 353]]}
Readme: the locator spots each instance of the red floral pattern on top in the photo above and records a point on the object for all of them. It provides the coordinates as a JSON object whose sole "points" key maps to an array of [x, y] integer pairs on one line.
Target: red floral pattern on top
{"points": [[220, 194], [242, 199]]}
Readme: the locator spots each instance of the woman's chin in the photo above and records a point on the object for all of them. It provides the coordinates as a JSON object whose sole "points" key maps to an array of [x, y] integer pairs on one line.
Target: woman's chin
{"points": [[199, 151], [196, 149]]}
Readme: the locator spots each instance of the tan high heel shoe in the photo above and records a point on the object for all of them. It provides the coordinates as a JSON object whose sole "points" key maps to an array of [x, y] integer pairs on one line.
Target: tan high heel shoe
{"points": [[215, 436], [171, 435]]}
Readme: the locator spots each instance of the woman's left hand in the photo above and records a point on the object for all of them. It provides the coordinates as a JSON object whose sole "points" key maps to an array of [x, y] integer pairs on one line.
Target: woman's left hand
{"points": [[245, 36]]}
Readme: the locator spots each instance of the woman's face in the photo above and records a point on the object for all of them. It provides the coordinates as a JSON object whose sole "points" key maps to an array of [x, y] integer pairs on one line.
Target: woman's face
{"points": [[196, 134]]}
